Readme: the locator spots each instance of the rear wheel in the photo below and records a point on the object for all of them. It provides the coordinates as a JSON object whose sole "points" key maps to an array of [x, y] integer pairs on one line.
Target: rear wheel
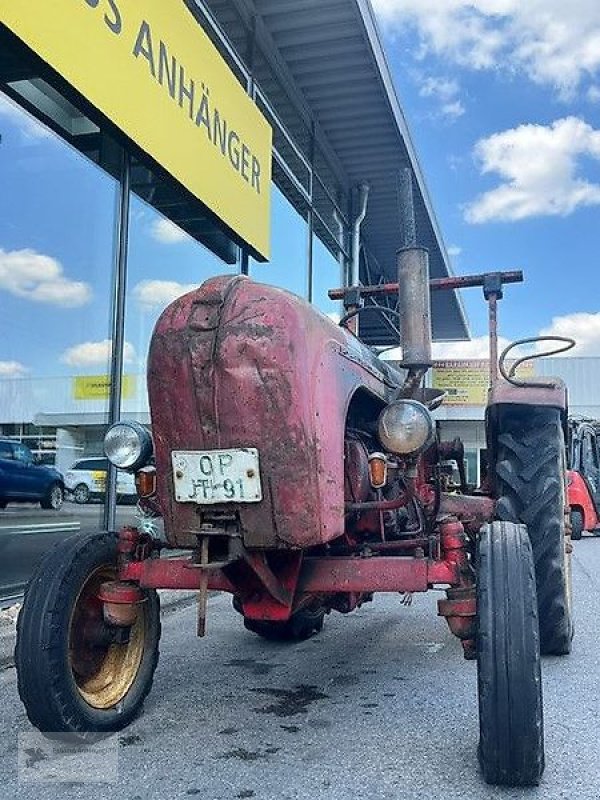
{"points": [[54, 497], [531, 472], [511, 743], [576, 525], [76, 674]]}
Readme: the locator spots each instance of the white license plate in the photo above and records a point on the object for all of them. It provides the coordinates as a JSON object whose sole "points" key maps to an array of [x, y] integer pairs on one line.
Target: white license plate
{"points": [[216, 476]]}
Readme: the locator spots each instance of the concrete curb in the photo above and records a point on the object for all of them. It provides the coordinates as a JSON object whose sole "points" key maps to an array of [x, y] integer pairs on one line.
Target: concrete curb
{"points": [[170, 601]]}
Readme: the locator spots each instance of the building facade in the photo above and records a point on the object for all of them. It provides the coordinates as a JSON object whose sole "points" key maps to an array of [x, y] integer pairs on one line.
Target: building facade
{"points": [[128, 175]]}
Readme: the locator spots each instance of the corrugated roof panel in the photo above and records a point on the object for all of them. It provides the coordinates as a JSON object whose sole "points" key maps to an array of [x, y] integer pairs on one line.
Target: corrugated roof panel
{"points": [[333, 60]]}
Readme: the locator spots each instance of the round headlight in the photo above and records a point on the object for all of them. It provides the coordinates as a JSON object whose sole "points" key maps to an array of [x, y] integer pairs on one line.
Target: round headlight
{"points": [[405, 427], [128, 445]]}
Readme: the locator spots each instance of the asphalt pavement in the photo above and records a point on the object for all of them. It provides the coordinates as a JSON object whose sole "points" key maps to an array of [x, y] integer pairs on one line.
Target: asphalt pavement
{"points": [[380, 705], [27, 532]]}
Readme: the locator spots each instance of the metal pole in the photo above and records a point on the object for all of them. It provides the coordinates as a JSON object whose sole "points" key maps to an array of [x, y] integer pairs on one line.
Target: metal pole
{"points": [[119, 288], [493, 331], [245, 262], [310, 220], [309, 254]]}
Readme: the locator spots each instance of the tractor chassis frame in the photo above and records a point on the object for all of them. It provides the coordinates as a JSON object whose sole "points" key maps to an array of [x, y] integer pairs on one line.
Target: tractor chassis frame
{"points": [[343, 582]]}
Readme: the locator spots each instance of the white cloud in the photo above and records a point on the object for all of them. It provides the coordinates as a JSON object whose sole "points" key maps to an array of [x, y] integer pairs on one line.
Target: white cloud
{"points": [[166, 232], [539, 167], [90, 354], [446, 93], [454, 250], [478, 347], [593, 94], [12, 369], [31, 129], [37, 277], [157, 294], [550, 41], [581, 326]]}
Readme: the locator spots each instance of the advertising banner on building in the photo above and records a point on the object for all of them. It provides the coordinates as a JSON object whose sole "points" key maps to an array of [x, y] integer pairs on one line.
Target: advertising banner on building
{"points": [[466, 381], [97, 387], [154, 73]]}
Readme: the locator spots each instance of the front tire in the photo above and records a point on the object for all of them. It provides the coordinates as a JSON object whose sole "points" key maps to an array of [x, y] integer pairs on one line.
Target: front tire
{"points": [[511, 744], [531, 484], [73, 677]]}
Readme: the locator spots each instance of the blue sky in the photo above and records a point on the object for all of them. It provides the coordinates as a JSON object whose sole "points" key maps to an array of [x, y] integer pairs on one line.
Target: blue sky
{"points": [[503, 101]]}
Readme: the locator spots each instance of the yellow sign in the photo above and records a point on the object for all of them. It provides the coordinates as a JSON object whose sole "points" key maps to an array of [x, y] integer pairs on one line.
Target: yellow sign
{"points": [[97, 387], [151, 69], [467, 382]]}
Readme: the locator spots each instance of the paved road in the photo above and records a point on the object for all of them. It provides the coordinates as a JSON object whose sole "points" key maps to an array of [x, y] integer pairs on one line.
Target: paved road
{"points": [[28, 531], [379, 706]]}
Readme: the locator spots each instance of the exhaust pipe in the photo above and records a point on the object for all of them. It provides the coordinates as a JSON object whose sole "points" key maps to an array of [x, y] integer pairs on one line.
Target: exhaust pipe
{"points": [[363, 193], [414, 307], [414, 304]]}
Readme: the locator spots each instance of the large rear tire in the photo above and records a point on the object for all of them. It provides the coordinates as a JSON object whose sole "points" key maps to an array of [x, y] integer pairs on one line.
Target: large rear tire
{"points": [[74, 677], [511, 743], [531, 473]]}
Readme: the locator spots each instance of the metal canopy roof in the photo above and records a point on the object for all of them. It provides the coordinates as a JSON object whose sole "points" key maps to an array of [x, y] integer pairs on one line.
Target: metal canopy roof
{"points": [[323, 60]]}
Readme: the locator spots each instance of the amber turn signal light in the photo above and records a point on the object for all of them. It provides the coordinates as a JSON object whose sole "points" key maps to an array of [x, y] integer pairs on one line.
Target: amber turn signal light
{"points": [[145, 482], [377, 470]]}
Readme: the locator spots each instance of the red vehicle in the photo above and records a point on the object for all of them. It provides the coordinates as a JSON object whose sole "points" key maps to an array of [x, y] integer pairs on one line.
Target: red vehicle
{"points": [[584, 476], [302, 474]]}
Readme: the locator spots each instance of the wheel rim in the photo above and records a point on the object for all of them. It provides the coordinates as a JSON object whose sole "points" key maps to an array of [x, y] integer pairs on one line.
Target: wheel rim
{"points": [[103, 672], [81, 493], [56, 497]]}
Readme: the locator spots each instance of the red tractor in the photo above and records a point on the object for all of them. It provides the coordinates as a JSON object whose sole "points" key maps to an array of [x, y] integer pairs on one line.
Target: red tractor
{"points": [[583, 478], [301, 473]]}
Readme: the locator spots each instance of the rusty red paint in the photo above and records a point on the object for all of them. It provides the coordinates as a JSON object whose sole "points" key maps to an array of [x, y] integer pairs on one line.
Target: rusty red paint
{"points": [[317, 576], [579, 498], [239, 364], [472, 511], [435, 284], [504, 393]]}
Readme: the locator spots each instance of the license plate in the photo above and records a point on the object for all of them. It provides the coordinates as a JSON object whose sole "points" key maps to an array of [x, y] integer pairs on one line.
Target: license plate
{"points": [[216, 476]]}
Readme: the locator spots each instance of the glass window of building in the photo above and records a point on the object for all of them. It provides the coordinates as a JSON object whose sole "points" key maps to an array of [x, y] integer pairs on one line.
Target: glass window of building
{"points": [[164, 262], [57, 213], [288, 265]]}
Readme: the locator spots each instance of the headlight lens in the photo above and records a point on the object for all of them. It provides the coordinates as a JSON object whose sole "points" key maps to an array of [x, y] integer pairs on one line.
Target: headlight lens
{"points": [[128, 445], [405, 427]]}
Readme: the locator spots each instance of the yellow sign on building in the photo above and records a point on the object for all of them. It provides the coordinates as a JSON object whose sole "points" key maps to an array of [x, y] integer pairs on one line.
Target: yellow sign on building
{"points": [[97, 387], [466, 381], [151, 69]]}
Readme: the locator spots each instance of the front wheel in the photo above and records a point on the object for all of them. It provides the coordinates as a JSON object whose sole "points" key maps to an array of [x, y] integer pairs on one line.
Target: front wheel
{"points": [[53, 498], [511, 741], [76, 674]]}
